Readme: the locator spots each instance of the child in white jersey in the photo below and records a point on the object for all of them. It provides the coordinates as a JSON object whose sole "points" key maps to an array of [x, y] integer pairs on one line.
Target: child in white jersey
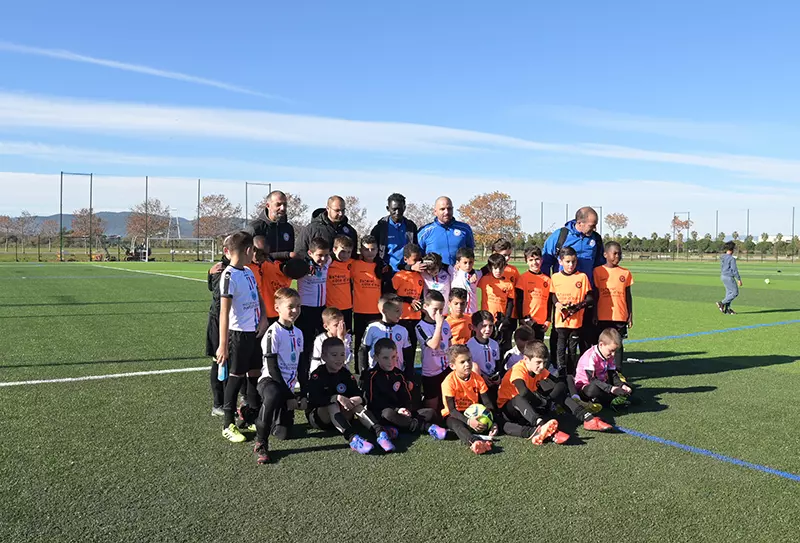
{"points": [[433, 333], [390, 307], [312, 289], [333, 321], [465, 276], [437, 276], [485, 351]]}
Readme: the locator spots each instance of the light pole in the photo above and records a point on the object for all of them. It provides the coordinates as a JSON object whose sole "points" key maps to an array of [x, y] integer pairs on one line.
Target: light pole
{"points": [[247, 197]]}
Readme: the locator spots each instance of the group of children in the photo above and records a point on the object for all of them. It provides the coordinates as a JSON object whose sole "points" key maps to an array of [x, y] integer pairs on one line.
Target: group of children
{"points": [[346, 312]]}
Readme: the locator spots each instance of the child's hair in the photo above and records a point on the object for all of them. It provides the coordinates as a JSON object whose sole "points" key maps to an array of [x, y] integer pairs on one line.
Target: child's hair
{"points": [[458, 293], [412, 249], [285, 293], [369, 239], [497, 262], [433, 260], [479, 316], [330, 343], [610, 336], [524, 334], [536, 349], [532, 251], [567, 251], [729, 246], [501, 244], [238, 242], [391, 300], [611, 244], [433, 296], [345, 242], [330, 314], [319, 244], [455, 351], [465, 252], [384, 344]]}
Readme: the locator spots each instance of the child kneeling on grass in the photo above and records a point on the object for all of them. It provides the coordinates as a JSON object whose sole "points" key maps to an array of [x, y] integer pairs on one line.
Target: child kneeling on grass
{"points": [[528, 395], [387, 393], [461, 389], [334, 399], [596, 376]]}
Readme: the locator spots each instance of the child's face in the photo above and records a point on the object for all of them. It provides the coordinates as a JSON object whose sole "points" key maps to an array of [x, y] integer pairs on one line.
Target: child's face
{"points": [[369, 251], [318, 256], [497, 273], [535, 263], [506, 254], [288, 309], [462, 366], [485, 330], [534, 365], [332, 326], [433, 308], [334, 358], [391, 314], [412, 259], [569, 263], [457, 307], [342, 254], [607, 350], [386, 359], [465, 264], [613, 256]]}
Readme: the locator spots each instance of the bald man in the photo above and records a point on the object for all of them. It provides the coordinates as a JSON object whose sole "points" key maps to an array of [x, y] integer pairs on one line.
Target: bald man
{"points": [[273, 225], [580, 234], [327, 225], [445, 235]]}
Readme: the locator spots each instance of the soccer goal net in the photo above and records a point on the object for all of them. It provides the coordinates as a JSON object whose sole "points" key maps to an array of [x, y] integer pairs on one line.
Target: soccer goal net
{"points": [[177, 250]]}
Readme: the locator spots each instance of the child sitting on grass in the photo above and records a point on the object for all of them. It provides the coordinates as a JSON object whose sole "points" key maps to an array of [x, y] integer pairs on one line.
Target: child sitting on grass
{"points": [[462, 388], [387, 393], [334, 399], [596, 377]]}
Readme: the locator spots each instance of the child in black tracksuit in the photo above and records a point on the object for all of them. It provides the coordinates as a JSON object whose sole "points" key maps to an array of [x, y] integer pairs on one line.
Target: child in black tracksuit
{"points": [[387, 394]]}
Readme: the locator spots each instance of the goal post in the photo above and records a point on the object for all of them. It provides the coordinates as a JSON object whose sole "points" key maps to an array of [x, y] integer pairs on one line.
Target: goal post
{"points": [[181, 249]]}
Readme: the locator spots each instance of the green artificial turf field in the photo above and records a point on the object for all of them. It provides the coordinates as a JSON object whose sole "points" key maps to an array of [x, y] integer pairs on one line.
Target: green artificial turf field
{"points": [[140, 458]]}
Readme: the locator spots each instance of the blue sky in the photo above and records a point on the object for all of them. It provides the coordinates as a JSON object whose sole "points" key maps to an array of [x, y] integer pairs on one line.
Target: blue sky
{"points": [[643, 108]]}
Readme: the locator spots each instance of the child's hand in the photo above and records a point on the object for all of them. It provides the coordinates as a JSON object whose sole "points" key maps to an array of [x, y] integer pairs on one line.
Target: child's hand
{"points": [[546, 325], [403, 411], [473, 278], [216, 268], [626, 389], [222, 354], [438, 316], [262, 328], [630, 322], [416, 305], [477, 426], [356, 400], [495, 429], [620, 391], [344, 402], [740, 282], [341, 330]]}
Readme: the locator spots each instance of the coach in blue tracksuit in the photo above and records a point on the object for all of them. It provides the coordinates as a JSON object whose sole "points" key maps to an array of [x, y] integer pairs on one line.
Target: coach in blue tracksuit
{"points": [[445, 235], [581, 235]]}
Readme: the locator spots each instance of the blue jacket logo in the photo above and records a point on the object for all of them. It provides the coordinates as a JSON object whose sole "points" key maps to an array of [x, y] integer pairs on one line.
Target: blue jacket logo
{"points": [[340, 388]]}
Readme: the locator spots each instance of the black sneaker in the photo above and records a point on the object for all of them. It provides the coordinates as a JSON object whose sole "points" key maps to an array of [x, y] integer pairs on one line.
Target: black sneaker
{"points": [[261, 452], [721, 307]]}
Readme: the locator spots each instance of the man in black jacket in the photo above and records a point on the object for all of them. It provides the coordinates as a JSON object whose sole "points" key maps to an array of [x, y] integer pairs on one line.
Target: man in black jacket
{"points": [[272, 224], [327, 226], [394, 232]]}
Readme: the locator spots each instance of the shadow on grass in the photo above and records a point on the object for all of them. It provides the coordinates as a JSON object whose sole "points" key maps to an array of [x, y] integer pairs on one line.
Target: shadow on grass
{"points": [[763, 311], [701, 366], [96, 362], [277, 454], [654, 355]]}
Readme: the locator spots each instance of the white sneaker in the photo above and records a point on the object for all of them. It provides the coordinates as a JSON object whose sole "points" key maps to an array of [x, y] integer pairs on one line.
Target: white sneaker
{"points": [[217, 412]]}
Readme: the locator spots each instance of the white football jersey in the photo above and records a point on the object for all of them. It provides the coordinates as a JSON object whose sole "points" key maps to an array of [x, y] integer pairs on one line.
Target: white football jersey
{"points": [[440, 283], [313, 287], [239, 284], [485, 355], [316, 355], [287, 343], [395, 332], [434, 361], [461, 280]]}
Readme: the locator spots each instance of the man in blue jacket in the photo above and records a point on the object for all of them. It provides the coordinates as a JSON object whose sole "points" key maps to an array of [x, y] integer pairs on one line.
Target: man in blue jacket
{"points": [[581, 235], [445, 235]]}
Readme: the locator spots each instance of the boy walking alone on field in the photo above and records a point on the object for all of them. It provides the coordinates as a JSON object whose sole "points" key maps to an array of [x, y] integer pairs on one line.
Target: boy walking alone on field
{"points": [[730, 278]]}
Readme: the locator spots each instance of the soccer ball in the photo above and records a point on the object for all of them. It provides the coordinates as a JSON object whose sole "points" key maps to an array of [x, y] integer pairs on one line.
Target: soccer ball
{"points": [[478, 411], [766, 280]]}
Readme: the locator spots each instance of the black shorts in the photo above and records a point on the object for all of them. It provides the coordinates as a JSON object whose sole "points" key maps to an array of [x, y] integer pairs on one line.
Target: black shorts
{"points": [[432, 385], [212, 335], [244, 352]]}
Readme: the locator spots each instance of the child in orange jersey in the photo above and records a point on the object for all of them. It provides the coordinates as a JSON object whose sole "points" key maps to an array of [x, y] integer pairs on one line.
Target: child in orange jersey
{"points": [[570, 294], [339, 283], [612, 284], [366, 274], [497, 297], [533, 294], [460, 323], [408, 285]]}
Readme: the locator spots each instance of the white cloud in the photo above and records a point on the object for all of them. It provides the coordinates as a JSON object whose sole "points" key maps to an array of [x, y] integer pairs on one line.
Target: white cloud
{"points": [[149, 121], [137, 68]]}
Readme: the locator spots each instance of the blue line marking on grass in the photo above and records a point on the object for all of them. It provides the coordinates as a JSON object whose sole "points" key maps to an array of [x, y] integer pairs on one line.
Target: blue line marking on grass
{"points": [[716, 456], [711, 332]]}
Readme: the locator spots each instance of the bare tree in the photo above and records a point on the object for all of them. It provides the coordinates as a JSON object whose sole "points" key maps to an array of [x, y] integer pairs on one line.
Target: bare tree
{"points": [[218, 216], [6, 226], [356, 215], [616, 222], [147, 219], [48, 230], [23, 227], [82, 227], [296, 209], [419, 214]]}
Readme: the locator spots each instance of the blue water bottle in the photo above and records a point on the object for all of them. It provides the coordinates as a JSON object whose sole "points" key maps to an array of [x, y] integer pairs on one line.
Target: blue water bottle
{"points": [[222, 371]]}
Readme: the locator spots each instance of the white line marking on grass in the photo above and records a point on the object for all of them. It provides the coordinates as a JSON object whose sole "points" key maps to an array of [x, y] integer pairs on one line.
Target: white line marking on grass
{"points": [[99, 377], [152, 273]]}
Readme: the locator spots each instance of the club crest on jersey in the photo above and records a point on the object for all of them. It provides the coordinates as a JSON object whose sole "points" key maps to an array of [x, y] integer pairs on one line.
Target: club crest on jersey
{"points": [[621, 279], [494, 353], [286, 236], [396, 386], [340, 388], [579, 284], [456, 232], [592, 243], [397, 337], [546, 284], [346, 230]]}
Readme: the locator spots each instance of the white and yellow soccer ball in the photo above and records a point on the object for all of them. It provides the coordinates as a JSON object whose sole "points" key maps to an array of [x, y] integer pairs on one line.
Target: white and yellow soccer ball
{"points": [[480, 412], [766, 280]]}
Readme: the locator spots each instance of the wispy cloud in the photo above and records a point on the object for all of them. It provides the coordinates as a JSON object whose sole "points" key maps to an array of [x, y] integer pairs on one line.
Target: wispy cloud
{"points": [[155, 121], [62, 54]]}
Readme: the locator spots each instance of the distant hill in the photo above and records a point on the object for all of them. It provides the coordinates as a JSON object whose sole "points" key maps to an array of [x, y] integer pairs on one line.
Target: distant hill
{"points": [[115, 222]]}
